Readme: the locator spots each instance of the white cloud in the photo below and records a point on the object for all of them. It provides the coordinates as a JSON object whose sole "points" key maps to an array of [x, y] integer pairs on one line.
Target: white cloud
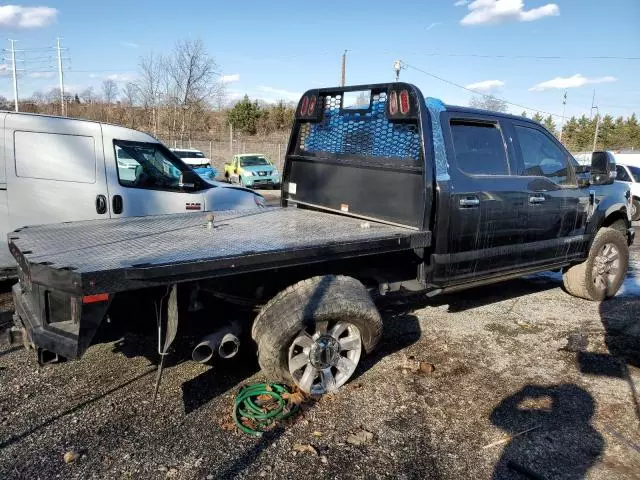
{"points": [[5, 70], [485, 85], [431, 25], [17, 16], [270, 94], [574, 81], [482, 12], [130, 44], [230, 78], [460, 3], [41, 74]]}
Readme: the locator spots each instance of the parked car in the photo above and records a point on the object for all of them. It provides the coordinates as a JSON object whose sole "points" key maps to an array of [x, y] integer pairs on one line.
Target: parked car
{"points": [[403, 195], [252, 170], [55, 169], [630, 175], [198, 161]]}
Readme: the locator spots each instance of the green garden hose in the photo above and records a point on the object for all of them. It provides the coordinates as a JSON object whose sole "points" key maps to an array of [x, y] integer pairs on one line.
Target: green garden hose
{"points": [[260, 406]]}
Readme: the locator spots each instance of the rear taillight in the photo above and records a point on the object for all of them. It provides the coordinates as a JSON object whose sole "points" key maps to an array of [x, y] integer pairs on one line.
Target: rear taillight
{"points": [[404, 102], [393, 103], [312, 105], [304, 107]]}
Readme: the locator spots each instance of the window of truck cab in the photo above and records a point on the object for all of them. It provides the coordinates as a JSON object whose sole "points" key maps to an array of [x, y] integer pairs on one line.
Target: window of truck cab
{"points": [[543, 156], [479, 146], [254, 161], [148, 166]]}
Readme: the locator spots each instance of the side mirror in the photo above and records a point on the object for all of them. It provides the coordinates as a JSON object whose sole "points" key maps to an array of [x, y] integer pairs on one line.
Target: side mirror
{"points": [[603, 168], [189, 180]]}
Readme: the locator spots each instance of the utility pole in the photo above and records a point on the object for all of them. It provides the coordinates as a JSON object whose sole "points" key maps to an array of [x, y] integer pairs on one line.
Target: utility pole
{"points": [[595, 136], [15, 73], [397, 66], [344, 68], [564, 106], [62, 105], [593, 103]]}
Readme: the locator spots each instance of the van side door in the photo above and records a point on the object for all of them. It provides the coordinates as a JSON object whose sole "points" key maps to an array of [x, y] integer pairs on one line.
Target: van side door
{"points": [[55, 170], [485, 233]]}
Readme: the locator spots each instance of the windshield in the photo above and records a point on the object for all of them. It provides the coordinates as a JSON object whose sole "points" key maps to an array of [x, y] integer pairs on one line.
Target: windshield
{"points": [[253, 161], [153, 166], [189, 154], [635, 173]]}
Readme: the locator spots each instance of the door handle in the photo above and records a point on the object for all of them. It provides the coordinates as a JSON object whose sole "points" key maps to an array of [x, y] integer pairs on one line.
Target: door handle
{"points": [[116, 203], [469, 202], [536, 199], [101, 204]]}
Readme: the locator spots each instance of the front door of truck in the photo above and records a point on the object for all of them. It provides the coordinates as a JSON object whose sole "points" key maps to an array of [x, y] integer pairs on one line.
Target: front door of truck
{"points": [[556, 207], [485, 231]]}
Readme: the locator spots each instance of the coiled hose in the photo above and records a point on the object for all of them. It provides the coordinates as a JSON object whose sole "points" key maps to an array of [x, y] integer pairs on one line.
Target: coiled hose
{"points": [[260, 406]]}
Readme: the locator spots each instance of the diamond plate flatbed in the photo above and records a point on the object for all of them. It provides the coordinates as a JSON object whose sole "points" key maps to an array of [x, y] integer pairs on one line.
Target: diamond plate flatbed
{"points": [[122, 254]]}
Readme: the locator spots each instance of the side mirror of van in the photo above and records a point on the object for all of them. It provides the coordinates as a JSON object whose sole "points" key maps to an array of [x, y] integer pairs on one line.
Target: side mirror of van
{"points": [[603, 168], [189, 180]]}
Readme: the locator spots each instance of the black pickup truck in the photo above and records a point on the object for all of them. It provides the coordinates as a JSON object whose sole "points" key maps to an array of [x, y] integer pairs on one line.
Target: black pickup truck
{"points": [[383, 191]]}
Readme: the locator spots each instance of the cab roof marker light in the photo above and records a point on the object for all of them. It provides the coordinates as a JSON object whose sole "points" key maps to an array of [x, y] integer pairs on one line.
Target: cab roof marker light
{"points": [[96, 298], [312, 105], [393, 103], [404, 102]]}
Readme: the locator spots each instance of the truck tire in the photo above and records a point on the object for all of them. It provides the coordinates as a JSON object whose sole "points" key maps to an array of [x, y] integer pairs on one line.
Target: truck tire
{"points": [[602, 273], [635, 213], [313, 333]]}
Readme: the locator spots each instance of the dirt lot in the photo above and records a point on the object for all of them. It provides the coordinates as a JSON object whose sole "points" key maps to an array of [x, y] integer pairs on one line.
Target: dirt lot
{"points": [[509, 358]]}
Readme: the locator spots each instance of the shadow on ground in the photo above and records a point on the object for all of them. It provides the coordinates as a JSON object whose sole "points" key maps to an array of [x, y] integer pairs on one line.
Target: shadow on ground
{"points": [[560, 441]]}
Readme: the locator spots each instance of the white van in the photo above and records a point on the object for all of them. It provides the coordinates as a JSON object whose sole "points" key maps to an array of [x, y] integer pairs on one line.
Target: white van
{"points": [[55, 169]]}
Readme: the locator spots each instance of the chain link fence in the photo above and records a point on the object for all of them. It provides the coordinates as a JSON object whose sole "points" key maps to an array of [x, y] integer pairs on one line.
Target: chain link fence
{"points": [[221, 151]]}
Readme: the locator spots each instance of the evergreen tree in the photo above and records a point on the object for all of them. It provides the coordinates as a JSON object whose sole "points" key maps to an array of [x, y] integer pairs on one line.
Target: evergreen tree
{"points": [[244, 116], [524, 114], [537, 117], [549, 124]]}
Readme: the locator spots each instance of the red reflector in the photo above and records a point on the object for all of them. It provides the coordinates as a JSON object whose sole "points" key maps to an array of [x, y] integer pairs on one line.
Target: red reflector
{"points": [[98, 297], [303, 108], [404, 102], [393, 103], [312, 105]]}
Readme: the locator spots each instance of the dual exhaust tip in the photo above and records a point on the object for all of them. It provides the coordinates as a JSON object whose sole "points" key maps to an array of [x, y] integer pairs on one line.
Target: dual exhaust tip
{"points": [[223, 342]]}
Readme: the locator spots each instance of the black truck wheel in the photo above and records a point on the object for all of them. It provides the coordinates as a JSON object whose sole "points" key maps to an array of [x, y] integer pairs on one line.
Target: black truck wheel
{"points": [[314, 332], [602, 273]]}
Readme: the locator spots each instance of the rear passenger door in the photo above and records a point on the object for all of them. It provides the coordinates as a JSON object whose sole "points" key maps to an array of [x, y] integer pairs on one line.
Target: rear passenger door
{"points": [[486, 209], [557, 208]]}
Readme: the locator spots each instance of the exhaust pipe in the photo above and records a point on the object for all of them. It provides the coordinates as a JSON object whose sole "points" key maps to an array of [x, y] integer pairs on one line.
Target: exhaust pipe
{"points": [[224, 342]]}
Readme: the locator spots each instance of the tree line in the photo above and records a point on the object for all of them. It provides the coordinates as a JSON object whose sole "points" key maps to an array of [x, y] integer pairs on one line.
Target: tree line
{"points": [[578, 132]]}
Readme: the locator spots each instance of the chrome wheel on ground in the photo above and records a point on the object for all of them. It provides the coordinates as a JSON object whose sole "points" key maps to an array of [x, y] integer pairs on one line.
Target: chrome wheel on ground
{"points": [[606, 265], [322, 361]]}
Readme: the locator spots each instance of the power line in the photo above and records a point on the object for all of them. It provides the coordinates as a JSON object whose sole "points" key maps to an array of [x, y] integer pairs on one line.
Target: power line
{"points": [[478, 93]]}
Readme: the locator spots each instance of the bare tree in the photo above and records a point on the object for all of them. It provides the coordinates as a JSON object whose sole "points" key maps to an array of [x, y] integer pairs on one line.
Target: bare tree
{"points": [[192, 72], [87, 95], [151, 73], [130, 93], [489, 102], [109, 91]]}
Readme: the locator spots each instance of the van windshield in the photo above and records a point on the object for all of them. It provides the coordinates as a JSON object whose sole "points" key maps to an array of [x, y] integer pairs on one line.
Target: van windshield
{"points": [[148, 165]]}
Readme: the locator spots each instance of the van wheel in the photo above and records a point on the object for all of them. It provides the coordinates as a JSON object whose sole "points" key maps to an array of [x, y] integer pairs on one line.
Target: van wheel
{"points": [[602, 273], [314, 333], [635, 209]]}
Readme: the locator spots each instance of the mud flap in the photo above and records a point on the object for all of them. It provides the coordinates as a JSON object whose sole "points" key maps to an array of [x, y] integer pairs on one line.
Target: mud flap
{"points": [[169, 336]]}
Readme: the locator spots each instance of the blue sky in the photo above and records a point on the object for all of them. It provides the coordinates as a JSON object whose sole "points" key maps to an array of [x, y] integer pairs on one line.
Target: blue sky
{"points": [[278, 49]]}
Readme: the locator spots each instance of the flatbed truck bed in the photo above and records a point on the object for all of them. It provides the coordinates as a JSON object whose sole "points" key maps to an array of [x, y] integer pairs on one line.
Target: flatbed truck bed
{"points": [[108, 256]]}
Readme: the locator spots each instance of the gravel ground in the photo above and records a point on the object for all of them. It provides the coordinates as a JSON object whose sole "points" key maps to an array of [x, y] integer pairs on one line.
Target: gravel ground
{"points": [[508, 358]]}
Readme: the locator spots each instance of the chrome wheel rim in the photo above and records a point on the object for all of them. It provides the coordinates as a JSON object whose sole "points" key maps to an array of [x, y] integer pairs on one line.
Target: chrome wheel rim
{"points": [[605, 267], [323, 360]]}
